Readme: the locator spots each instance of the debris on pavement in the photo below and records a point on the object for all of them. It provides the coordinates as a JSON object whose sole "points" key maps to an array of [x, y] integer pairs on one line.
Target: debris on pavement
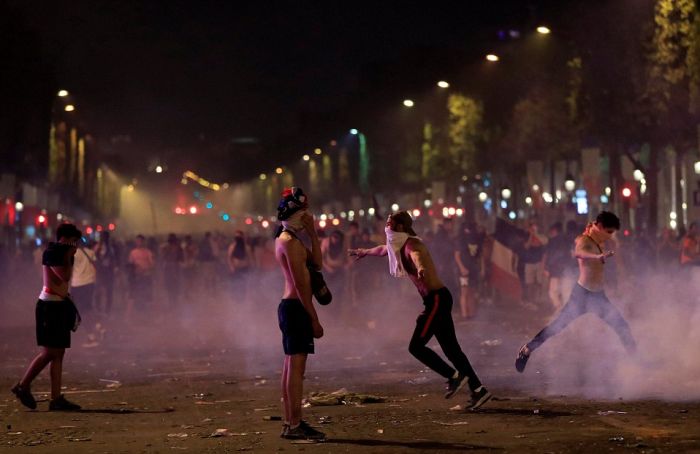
{"points": [[617, 438], [611, 412], [272, 418], [178, 435], [458, 423], [341, 397], [456, 408], [492, 342]]}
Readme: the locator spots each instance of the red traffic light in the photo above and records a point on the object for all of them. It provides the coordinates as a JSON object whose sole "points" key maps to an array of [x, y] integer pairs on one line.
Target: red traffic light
{"points": [[626, 192]]}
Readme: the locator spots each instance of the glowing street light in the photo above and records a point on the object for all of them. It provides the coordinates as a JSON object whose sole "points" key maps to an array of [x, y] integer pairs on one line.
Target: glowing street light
{"points": [[279, 171], [69, 108], [263, 177], [443, 84], [569, 184], [696, 167], [318, 151], [492, 57], [506, 193], [62, 93], [483, 196], [408, 102], [542, 30], [19, 206], [354, 131], [306, 157], [638, 175], [159, 169]]}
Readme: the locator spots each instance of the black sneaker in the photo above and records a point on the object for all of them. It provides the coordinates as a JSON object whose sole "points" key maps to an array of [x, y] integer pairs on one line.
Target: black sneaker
{"points": [[62, 404], [285, 429], [455, 384], [24, 396], [304, 432], [523, 356], [479, 398]]}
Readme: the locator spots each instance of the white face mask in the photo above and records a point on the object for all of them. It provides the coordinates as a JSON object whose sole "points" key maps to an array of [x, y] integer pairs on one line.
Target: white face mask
{"points": [[294, 222]]}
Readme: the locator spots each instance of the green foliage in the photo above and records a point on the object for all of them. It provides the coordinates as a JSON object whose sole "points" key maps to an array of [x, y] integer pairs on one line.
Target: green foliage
{"points": [[465, 132], [673, 62], [540, 128]]}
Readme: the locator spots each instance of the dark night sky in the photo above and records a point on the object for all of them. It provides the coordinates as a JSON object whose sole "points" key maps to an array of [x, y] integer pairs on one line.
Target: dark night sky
{"points": [[169, 71]]}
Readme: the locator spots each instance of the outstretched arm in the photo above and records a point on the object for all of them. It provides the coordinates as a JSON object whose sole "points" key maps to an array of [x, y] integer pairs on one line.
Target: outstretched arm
{"points": [[377, 251]]}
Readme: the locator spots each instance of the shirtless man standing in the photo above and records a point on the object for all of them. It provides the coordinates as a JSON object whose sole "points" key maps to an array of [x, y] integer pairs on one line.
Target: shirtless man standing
{"points": [[408, 256], [588, 294], [298, 320], [56, 316]]}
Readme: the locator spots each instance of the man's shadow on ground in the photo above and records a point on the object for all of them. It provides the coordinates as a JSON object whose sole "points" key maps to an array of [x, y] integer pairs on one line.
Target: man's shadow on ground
{"points": [[542, 413], [121, 411], [411, 444]]}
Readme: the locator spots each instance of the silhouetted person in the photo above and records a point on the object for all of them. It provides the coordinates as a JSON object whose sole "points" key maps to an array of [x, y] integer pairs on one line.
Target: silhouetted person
{"points": [[56, 317]]}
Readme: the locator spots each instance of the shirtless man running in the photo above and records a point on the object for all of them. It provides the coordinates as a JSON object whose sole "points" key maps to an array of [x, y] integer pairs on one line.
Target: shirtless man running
{"points": [[56, 316], [408, 256], [297, 316], [588, 294]]}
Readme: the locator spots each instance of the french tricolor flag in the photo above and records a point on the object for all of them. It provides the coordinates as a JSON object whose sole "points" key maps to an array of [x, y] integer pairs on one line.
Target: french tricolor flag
{"points": [[504, 260]]}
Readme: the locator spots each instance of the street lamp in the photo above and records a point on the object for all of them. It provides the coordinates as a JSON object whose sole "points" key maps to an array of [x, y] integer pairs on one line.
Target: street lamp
{"points": [[279, 170], [443, 84], [492, 57], [306, 157], [638, 175], [408, 102], [159, 169], [506, 193], [62, 93], [69, 108], [542, 30], [569, 183], [353, 131]]}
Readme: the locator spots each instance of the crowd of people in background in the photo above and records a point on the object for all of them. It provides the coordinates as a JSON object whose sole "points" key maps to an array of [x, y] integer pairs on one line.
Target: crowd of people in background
{"points": [[129, 277]]}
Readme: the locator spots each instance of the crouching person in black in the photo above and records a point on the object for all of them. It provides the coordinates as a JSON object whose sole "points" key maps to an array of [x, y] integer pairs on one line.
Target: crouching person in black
{"points": [[56, 317]]}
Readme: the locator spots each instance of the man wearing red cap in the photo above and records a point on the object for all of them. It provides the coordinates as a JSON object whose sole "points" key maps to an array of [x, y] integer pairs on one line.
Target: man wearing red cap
{"points": [[298, 320], [409, 257]]}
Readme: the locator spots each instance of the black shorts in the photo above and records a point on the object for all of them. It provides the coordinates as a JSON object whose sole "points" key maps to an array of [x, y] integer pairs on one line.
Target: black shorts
{"points": [[54, 320], [295, 324]]}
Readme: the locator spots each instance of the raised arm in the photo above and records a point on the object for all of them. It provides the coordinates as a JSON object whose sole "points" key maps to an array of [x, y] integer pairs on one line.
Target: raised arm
{"points": [[586, 250], [316, 256]]}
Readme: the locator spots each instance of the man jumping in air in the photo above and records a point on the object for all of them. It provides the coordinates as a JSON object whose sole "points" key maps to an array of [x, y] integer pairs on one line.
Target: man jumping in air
{"points": [[588, 294], [408, 256]]}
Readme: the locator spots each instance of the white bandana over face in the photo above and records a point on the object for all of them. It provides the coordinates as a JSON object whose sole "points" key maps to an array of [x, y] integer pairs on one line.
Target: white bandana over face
{"points": [[294, 223], [394, 243]]}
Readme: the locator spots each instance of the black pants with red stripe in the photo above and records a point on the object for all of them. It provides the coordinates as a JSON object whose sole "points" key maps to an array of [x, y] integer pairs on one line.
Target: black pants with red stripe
{"points": [[436, 320]]}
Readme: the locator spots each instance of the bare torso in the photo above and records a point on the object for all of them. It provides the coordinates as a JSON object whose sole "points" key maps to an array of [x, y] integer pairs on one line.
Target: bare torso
{"points": [[430, 280], [284, 245], [591, 272], [57, 278]]}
